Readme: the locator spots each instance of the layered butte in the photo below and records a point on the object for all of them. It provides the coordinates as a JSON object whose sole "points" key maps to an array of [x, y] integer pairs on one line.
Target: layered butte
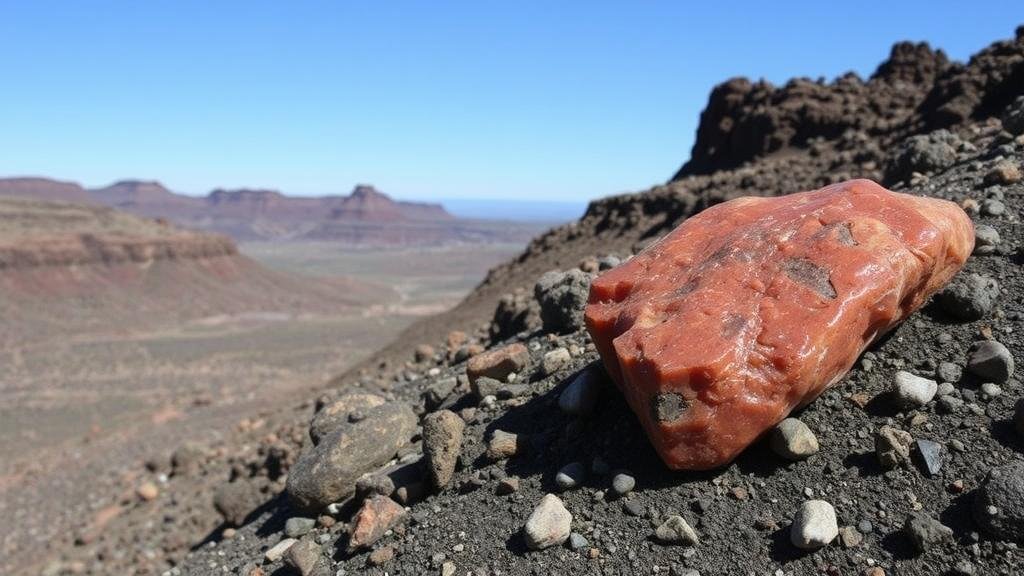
{"points": [[755, 306]]}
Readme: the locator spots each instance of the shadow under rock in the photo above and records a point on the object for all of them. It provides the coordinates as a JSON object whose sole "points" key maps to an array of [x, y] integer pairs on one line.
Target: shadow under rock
{"points": [[898, 544], [958, 516], [1005, 432], [782, 549], [866, 463], [275, 523]]}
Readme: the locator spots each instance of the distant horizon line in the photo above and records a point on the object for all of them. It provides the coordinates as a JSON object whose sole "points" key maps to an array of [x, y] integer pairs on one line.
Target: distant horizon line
{"points": [[193, 194]]}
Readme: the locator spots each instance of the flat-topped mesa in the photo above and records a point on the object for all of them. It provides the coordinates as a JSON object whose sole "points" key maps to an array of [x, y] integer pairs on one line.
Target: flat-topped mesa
{"points": [[755, 306]]}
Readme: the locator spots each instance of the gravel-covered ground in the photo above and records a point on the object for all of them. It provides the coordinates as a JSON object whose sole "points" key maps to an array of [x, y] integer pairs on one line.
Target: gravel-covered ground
{"points": [[954, 132]]}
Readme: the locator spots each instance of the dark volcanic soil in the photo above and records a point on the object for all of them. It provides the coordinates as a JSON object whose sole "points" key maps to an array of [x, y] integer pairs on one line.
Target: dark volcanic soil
{"points": [[741, 513]]}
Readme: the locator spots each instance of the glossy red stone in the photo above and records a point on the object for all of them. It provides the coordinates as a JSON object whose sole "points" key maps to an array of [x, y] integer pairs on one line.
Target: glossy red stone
{"points": [[755, 306]]}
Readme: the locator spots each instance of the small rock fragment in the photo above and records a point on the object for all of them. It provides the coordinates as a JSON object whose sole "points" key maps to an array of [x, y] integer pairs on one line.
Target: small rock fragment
{"points": [[370, 484], [303, 556], [986, 239], [571, 475], [562, 296], [498, 363], [381, 556], [1004, 173], [442, 445], [675, 530], [378, 515], [507, 486], [555, 360], [814, 525], [970, 297], [999, 503], [577, 541], [793, 440], [925, 531], [912, 391], [297, 526], [580, 397], [931, 455], [327, 472], [850, 537], [990, 361], [147, 491], [948, 372], [623, 483], [892, 446], [548, 524], [277, 551], [503, 445], [235, 501]]}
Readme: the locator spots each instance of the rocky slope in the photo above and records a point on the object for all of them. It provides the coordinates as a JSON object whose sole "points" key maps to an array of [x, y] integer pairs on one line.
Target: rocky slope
{"points": [[68, 268], [933, 488]]}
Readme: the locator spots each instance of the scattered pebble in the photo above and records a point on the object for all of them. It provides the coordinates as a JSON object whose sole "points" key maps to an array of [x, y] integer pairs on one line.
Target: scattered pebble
{"points": [[297, 526], [892, 446], [948, 372], [912, 391], [925, 531], [507, 486], [675, 530], [571, 475], [999, 503], [276, 552], [580, 397], [623, 483], [931, 454], [986, 238], [969, 297], [990, 361], [555, 360], [442, 445], [503, 445], [814, 525], [793, 440], [548, 524], [849, 537], [303, 556], [577, 541]]}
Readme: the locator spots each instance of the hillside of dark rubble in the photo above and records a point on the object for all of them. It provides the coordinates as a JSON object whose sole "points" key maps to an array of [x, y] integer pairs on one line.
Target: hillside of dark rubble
{"points": [[488, 441]]}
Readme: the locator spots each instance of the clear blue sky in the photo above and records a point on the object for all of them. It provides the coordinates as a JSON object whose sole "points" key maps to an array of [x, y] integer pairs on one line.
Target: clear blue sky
{"points": [[545, 100]]}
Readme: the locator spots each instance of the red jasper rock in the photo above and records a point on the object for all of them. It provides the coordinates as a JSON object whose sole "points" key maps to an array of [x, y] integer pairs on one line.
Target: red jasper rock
{"points": [[755, 306], [378, 515]]}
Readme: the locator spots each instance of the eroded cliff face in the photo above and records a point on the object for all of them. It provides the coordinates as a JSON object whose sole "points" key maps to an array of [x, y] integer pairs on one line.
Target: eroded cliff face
{"points": [[68, 268]]}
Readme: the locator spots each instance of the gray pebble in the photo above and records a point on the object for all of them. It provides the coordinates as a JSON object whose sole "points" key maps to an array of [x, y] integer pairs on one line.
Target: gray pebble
{"points": [[814, 525], [948, 372], [623, 483], [580, 397], [986, 238], [577, 541], [912, 391], [990, 361], [931, 454], [999, 503], [298, 526], [675, 530], [970, 297], [793, 440], [925, 531], [570, 475]]}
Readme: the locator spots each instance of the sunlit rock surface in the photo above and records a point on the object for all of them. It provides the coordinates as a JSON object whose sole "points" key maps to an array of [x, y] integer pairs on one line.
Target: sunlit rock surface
{"points": [[755, 306]]}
